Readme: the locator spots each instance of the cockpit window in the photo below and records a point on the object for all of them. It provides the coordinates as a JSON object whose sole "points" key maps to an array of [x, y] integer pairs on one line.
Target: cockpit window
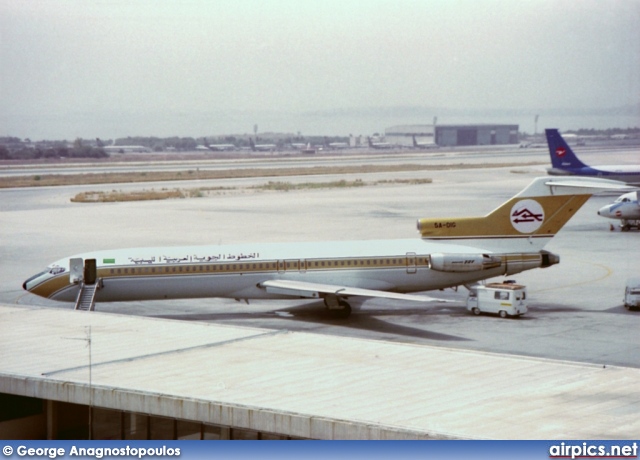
{"points": [[56, 270]]}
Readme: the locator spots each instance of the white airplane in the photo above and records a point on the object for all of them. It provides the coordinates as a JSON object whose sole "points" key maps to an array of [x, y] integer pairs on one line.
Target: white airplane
{"points": [[381, 145], [424, 145], [336, 145], [451, 252], [261, 147], [308, 149], [222, 147], [565, 162], [219, 147], [626, 209]]}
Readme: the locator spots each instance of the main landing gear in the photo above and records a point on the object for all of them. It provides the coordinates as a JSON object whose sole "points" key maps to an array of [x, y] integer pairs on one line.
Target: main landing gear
{"points": [[338, 308]]}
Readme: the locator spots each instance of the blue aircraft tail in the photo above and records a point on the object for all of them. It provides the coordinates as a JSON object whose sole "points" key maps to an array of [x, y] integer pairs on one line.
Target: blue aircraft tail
{"points": [[562, 157]]}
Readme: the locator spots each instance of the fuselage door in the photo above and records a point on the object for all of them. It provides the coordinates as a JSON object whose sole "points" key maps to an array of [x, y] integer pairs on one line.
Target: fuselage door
{"points": [[76, 270], [411, 262], [292, 265], [90, 271]]}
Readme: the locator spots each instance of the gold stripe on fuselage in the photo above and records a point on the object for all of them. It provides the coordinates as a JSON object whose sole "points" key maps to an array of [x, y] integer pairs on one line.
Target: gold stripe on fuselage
{"points": [[52, 285]]}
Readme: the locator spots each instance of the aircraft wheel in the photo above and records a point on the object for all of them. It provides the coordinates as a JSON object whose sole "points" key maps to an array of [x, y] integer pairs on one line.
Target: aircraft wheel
{"points": [[341, 313], [503, 314], [476, 311]]}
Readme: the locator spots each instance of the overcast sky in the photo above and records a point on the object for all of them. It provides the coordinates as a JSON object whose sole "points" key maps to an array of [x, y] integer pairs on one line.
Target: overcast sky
{"points": [[107, 69]]}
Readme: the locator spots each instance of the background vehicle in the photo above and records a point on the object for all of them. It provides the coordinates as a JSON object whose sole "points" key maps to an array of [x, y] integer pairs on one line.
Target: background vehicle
{"points": [[632, 294]]}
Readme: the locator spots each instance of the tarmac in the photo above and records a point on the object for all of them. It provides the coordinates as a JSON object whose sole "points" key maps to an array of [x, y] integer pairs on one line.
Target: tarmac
{"points": [[575, 308]]}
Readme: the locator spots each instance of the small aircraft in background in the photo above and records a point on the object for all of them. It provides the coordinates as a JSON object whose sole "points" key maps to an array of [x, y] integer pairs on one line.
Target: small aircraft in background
{"points": [[335, 145], [626, 209], [262, 147], [308, 149], [219, 147], [565, 162], [381, 145], [423, 145]]}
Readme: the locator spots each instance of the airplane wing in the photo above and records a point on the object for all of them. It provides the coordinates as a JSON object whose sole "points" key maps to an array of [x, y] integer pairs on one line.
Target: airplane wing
{"points": [[315, 291]]}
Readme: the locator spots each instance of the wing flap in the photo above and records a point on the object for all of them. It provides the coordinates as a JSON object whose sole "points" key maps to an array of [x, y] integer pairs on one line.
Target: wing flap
{"points": [[316, 290]]}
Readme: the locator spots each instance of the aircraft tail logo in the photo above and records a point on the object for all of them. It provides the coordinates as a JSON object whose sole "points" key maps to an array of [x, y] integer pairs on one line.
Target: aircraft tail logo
{"points": [[527, 220], [562, 157], [527, 216]]}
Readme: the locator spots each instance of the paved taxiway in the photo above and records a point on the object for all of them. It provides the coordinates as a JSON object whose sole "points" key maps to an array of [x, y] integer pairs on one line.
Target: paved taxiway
{"points": [[576, 310]]}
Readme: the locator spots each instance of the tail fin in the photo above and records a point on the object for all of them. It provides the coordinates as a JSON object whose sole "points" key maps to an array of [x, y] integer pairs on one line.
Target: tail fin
{"points": [[562, 157], [527, 221], [415, 143]]}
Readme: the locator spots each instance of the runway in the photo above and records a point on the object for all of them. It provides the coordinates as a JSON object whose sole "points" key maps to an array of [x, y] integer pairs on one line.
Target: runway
{"points": [[351, 157], [576, 310]]}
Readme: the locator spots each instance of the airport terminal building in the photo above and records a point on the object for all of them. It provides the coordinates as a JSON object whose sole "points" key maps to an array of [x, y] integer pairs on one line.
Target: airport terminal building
{"points": [[68, 374], [453, 135]]}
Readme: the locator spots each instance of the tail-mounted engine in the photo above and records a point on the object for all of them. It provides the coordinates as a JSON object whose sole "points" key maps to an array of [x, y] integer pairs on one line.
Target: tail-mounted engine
{"points": [[463, 262]]}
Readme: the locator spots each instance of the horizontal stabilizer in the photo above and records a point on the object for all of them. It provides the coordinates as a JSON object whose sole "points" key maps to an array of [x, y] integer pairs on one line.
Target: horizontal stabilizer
{"points": [[591, 184], [317, 290]]}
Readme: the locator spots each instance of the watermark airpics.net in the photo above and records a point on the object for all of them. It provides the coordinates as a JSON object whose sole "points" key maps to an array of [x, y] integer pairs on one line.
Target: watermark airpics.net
{"points": [[592, 450]]}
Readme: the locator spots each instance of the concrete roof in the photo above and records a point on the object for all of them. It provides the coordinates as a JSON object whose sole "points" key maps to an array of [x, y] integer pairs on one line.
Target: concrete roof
{"points": [[309, 385]]}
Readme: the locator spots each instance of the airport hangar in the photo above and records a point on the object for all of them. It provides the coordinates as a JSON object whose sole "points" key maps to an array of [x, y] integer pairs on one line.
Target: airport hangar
{"points": [[67, 374], [453, 135]]}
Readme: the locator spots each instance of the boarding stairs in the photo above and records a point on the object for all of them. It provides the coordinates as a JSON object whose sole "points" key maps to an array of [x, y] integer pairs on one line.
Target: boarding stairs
{"points": [[86, 300]]}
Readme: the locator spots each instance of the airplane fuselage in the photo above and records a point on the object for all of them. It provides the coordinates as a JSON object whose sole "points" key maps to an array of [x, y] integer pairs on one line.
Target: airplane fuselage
{"points": [[237, 271], [624, 173]]}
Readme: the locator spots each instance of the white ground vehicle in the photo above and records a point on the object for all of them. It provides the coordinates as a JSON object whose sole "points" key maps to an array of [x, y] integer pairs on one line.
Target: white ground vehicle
{"points": [[504, 299], [632, 293]]}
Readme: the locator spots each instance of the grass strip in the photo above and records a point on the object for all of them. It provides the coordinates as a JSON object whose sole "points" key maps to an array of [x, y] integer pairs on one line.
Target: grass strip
{"points": [[49, 180]]}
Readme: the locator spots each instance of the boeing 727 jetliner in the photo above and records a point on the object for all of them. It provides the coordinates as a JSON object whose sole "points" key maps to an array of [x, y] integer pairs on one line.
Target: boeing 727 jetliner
{"points": [[565, 163], [452, 251]]}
